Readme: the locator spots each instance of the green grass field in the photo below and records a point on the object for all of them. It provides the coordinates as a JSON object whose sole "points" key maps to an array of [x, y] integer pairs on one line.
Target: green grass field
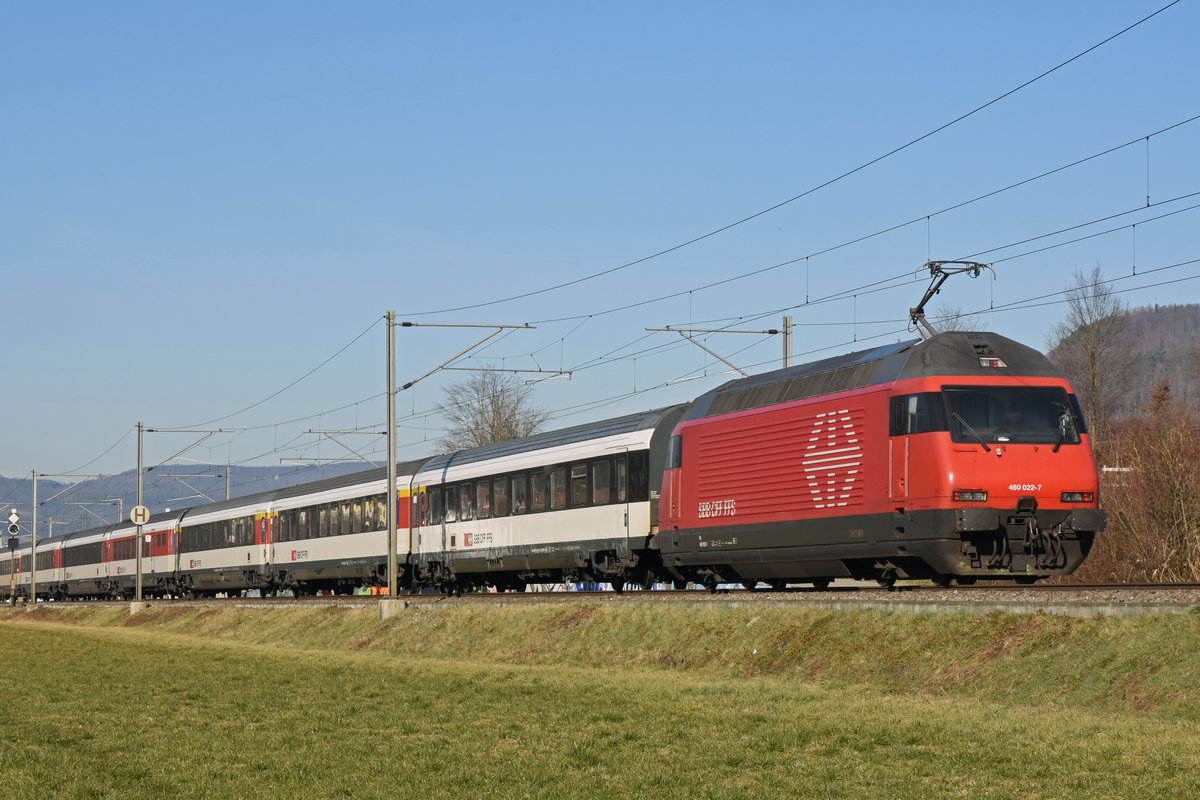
{"points": [[596, 701]]}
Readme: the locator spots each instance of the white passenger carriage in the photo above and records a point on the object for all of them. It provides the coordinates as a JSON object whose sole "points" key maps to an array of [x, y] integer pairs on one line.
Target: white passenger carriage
{"points": [[85, 574], [224, 547], [49, 568], [332, 534], [574, 504]]}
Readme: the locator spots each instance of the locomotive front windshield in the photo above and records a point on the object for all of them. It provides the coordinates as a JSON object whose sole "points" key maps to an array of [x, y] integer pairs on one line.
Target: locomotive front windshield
{"points": [[1013, 415]]}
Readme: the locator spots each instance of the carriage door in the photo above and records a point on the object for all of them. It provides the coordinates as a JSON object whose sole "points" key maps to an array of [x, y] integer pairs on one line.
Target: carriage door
{"points": [[610, 480], [420, 517]]}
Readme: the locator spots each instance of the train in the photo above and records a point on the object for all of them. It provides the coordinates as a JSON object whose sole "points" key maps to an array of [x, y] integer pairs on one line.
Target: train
{"points": [[955, 458]]}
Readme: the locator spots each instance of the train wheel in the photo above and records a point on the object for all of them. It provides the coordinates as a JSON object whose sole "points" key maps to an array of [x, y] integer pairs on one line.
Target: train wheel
{"points": [[749, 586], [965, 581], [941, 580], [710, 583], [778, 586], [618, 587], [887, 581], [647, 581], [821, 584], [679, 584]]}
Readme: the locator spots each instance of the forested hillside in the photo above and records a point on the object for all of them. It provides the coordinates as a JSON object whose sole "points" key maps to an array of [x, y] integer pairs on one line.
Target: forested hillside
{"points": [[1167, 341]]}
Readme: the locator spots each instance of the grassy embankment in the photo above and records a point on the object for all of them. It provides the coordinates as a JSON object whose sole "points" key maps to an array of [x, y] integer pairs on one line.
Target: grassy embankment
{"points": [[596, 701]]}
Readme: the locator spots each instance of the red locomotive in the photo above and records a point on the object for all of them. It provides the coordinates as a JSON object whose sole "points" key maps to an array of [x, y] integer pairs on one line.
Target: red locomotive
{"points": [[957, 458]]}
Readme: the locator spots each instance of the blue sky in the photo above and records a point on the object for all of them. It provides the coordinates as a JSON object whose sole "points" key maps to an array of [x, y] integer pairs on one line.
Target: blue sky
{"points": [[202, 203]]}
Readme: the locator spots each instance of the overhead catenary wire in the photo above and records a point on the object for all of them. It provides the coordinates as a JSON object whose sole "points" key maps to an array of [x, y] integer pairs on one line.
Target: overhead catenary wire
{"points": [[714, 284], [875, 234], [803, 194], [275, 394], [885, 284]]}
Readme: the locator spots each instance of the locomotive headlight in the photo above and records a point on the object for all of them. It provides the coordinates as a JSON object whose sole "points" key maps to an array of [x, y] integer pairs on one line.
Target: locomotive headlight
{"points": [[1078, 497], [970, 495]]}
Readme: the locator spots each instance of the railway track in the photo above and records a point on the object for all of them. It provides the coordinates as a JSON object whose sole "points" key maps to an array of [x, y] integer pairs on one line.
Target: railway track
{"points": [[1067, 599]]}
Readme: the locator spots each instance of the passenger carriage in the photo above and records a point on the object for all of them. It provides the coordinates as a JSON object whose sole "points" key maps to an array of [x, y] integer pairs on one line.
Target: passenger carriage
{"points": [[159, 548], [573, 504], [332, 534], [224, 547]]}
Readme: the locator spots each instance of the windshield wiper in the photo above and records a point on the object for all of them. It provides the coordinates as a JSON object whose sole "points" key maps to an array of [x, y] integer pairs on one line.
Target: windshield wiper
{"points": [[1063, 422], [971, 430]]}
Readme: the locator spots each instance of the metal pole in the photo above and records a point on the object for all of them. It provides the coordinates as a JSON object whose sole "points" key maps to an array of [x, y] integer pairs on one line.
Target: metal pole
{"points": [[787, 341], [138, 594], [227, 483], [12, 572], [33, 548], [392, 499]]}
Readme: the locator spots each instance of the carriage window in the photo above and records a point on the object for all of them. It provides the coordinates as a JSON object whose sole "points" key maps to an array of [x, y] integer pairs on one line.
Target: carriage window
{"points": [[324, 531], [500, 497], [600, 475], [451, 504], [483, 498], [466, 508], [538, 485], [622, 479], [435, 506], [519, 487], [356, 520], [558, 488], [579, 485]]}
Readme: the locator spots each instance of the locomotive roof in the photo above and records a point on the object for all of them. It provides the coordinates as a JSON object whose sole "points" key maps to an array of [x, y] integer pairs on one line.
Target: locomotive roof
{"points": [[950, 353], [563, 436]]}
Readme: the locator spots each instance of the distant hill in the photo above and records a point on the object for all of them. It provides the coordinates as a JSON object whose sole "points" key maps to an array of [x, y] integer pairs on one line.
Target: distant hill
{"points": [[93, 502], [1164, 342], [1168, 343]]}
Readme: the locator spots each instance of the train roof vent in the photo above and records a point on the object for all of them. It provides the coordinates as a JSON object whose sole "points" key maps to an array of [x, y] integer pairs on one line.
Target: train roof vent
{"points": [[983, 348], [987, 355], [853, 376]]}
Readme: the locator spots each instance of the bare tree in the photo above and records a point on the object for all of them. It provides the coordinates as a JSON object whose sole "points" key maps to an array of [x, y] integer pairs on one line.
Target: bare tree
{"points": [[1094, 346], [1153, 500], [950, 318], [488, 407]]}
